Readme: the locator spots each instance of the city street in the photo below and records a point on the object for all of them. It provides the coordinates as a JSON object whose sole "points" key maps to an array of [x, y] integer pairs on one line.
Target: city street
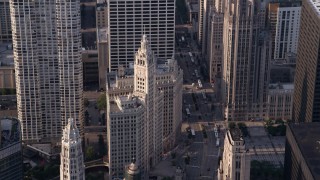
{"points": [[200, 111], [203, 152]]}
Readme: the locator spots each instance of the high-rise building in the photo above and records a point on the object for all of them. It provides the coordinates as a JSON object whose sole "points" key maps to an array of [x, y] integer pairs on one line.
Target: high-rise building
{"points": [[10, 149], [48, 67], [215, 45], [284, 24], [235, 163], [144, 112], [306, 100], [204, 9], [134, 122], [247, 52], [287, 29], [169, 79], [5, 23], [302, 151], [128, 20], [71, 156]]}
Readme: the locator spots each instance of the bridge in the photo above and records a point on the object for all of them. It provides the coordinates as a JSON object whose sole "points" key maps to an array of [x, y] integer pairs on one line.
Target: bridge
{"points": [[96, 163]]}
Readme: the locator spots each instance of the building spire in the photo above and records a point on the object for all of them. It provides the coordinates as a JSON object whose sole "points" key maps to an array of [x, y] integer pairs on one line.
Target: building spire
{"points": [[72, 165]]}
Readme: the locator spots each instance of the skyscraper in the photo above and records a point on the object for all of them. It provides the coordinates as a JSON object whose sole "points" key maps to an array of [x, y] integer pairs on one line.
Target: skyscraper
{"points": [[204, 8], [48, 68], [215, 42], [144, 112], [306, 100], [245, 60], [287, 29], [5, 24], [129, 19], [136, 120], [71, 157]]}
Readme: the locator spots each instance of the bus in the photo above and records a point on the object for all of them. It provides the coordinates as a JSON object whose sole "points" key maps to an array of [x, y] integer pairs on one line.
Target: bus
{"points": [[188, 112], [193, 132]]}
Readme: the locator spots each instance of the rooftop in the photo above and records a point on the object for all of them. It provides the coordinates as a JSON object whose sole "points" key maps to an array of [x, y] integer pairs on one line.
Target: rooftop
{"points": [[89, 40], [194, 7], [9, 131], [236, 134], [124, 104], [113, 77], [316, 5], [6, 54], [287, 86], [101, 3], [102, 35], [307, 136], [114, 108]]}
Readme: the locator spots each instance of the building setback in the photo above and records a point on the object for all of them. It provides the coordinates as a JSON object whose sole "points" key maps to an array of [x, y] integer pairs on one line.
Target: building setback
{"points": [[306, 100], [48, 67], [128, 20]]}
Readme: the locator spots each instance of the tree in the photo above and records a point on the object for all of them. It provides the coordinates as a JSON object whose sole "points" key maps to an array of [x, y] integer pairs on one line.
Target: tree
{"points": [[102, 102], [90, 153]]}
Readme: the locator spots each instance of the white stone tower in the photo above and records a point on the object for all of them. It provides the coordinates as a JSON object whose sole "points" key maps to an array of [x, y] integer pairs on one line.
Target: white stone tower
{"points": [[144, 87], [72, 165]]}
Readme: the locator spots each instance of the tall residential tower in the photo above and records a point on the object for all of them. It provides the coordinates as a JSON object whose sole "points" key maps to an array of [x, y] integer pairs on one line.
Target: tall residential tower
{"points": [[48, 68]]}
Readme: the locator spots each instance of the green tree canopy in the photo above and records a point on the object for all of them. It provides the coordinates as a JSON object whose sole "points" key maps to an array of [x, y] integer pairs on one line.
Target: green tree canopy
{"points": [[102, 102]]}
